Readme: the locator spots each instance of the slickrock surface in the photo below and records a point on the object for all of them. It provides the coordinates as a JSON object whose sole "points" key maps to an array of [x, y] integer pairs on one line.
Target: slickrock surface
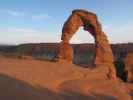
{"points": [[29, 79]]}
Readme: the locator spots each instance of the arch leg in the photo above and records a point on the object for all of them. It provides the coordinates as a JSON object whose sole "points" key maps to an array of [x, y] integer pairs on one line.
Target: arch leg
{"points": [[104, 55], [65, 52], [65, 49]]}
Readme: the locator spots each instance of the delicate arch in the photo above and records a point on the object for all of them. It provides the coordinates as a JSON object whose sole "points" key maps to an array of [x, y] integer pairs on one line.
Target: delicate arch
{"points": [[89, 21]]}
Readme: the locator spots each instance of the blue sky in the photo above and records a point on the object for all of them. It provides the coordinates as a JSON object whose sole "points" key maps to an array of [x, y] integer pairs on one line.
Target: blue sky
{"points": [[24, 21]]}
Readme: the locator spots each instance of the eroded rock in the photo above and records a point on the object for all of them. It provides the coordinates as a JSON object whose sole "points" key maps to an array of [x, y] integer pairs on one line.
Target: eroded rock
{"points": [[90, 23], [66, 52], [129, 66]]}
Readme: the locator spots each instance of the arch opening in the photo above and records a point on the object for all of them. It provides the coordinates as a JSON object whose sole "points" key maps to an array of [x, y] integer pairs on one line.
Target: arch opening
{"points": [[81, 37], [83, 47]]}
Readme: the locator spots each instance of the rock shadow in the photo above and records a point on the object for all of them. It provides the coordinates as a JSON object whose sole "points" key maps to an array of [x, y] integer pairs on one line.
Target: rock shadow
{"points": [[15, 89]]}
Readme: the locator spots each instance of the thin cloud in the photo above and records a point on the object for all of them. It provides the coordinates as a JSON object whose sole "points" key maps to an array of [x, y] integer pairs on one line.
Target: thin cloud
{"points": [[17, 35], [121, 33], [24, 30], [33, 16], [15, 13], [40, 17], [116, 34]]}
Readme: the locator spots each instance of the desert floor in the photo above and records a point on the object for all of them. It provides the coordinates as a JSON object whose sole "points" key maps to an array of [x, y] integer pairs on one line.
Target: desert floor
{"points": [[30, 79]]}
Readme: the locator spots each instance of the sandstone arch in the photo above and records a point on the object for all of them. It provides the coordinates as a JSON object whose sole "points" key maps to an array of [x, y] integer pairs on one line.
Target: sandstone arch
{"points": [[90, 23]]}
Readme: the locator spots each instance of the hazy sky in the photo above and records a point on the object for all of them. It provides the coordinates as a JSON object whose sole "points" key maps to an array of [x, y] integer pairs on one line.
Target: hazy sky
{"points": [[23, 21]]}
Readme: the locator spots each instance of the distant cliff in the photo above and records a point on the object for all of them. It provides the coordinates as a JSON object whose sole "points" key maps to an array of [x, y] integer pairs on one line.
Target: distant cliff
{"points": [[82, 52]]}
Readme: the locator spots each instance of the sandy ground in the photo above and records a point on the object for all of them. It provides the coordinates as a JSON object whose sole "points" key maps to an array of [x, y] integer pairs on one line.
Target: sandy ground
{"points": [[29, 79]]}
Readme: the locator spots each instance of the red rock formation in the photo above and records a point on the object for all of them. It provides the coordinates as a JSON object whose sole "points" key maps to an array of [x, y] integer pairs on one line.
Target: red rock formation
{"points": [[129, 66], [66, 52], [91, 24]]}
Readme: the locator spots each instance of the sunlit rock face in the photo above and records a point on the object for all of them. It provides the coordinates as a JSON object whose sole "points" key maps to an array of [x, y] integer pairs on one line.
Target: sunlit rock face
{"points": [[129, 66], [66, 52], [90, 23]]}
